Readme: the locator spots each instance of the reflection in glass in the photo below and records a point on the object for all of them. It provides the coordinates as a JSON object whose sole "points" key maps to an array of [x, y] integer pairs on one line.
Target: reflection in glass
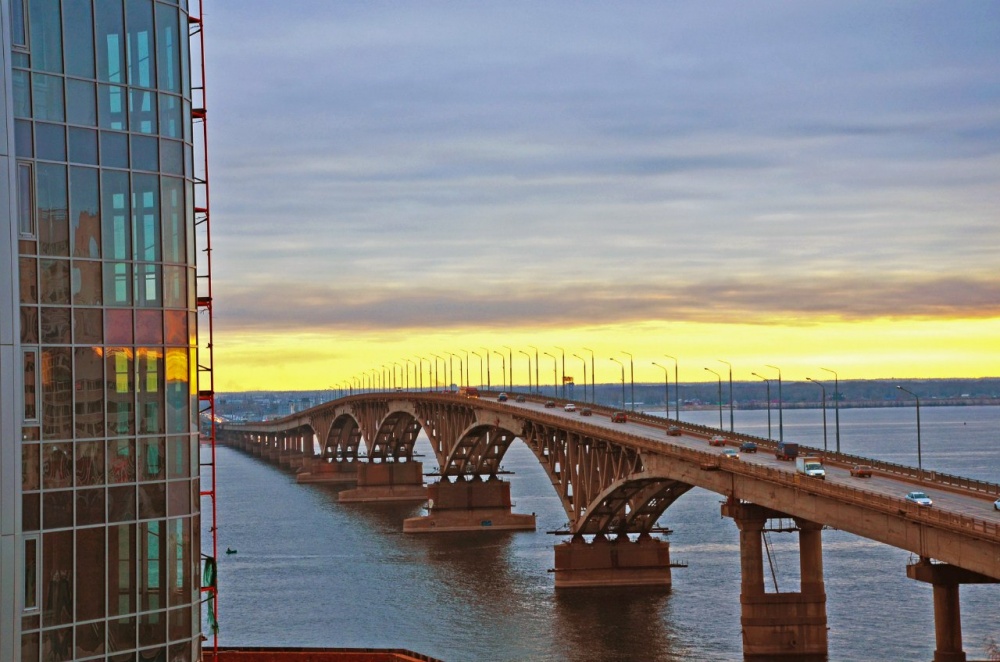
{"points": [[89, 463], [51, 206], [47, 98], [57, 393], [46, 35], [115, 226], [84, 217], [78, 24], [55, 281], [57, 577], [56, 326], [87, 282], [88, 325], [110, 31], [119, 392], [81, 102], [89, 406]]}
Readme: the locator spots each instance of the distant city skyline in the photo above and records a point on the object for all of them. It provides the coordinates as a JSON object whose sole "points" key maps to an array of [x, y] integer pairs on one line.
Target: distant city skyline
{"points": [[805, 186]]}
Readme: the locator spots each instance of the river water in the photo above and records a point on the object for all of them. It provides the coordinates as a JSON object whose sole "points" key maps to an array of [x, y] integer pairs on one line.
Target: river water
{"points": [[310, 571]]}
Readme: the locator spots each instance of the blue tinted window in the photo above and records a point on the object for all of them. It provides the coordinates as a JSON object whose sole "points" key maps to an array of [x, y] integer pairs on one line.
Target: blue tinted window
{"points": [[111, 107], [78, 25], [84, 220], [81, 102], [142, 110], [50, 142], [83, 146], [18, 28], [114, 149], [46, 35], [140, 54], [170, 116], [172, 211], [110, 44], [172, 157], [22, 93], [146, 217], [115, 225], [50, 209], [168, 48], [47, 98], [145, 155]]}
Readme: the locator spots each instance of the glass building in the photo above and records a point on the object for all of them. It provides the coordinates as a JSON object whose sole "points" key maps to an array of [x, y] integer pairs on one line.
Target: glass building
{"points": [[99, 487]]}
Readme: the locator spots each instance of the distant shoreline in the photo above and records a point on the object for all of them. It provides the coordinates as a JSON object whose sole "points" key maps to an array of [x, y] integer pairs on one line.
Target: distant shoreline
{"points": [[854, 404]]}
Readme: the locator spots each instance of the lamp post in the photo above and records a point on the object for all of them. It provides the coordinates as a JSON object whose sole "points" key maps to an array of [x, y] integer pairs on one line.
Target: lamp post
{"points": [[461, 371], [521, 351], [584, 362], [480, 367], [400, 383], [666, 390], [781, 424], [631, 371], [468, 369], [836, 404], [593, 375], [420, 363], [719, 377], [373, 386], [677, 391], [920, 464], [408, 374], [563, 390], [623, 379], [538, 386], [824, 408], [731, 426], [768, 382], [503, 368], [437, 382], [488, 386], [555, 374], [510, 354]]}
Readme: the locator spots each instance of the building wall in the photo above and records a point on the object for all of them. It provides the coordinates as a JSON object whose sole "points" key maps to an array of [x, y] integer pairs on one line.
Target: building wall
{"points": [[100, 547]]}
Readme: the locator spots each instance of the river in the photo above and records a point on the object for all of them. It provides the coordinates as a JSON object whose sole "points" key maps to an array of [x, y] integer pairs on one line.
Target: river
{"points": [[310, 571]]}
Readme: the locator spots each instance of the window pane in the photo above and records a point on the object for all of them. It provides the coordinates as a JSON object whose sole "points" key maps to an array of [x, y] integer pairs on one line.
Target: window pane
{"points": [[150, 392], [57, 577], [24, 146], [111, 107], [55, 326], [114, 149], [57, 393], [51, 205], [146, 217], [84, 219], [110, 44], [172, 203], [115, 223], [25, 199], [90, 505], [46, 35], [78, 24], [89, 406], [121, 585], [178, 412], [83, 146], [50, 141], [149, 327], [55, 281], [119, 390], [19, 30], [88, 326], [142, 110], [87, 282], [22, 93], [172, 157], [147, 285], [57, 509], [90, 568], [118, 327], [141, 56], [170, 116], [29, 279], [81, 102], [145, 153], [47, 98], [175, 296], [30, 372], [30, 570]]}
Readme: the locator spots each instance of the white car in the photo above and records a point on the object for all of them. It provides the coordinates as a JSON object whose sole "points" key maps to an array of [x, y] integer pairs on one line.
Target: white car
{"points": [[996, 505], [919, 498], [570, 407]]}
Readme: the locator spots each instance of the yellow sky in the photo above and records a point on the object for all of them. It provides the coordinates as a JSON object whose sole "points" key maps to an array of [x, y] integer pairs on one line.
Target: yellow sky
{"points": [[899, 348]]}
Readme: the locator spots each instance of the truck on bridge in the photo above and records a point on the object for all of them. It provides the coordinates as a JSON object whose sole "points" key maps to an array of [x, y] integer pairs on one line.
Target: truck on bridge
{"points": [[786, 451], [810, 466]]}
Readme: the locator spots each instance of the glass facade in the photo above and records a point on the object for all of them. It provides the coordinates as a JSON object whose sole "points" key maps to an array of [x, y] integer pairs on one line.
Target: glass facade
{"points": [[102, 225]]}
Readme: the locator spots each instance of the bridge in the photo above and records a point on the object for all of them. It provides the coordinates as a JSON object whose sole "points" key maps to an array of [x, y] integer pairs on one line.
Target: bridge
{"points": [[615, 480]]}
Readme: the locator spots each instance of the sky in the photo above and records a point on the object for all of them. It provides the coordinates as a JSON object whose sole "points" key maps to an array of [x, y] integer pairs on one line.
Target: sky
{"points": [[802, 185]]}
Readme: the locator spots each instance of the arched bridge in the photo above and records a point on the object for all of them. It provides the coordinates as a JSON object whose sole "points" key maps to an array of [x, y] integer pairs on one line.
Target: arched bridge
{"points": [[617, 478]]}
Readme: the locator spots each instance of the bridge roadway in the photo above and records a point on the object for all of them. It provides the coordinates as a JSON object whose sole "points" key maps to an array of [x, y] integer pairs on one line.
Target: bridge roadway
{"points": [[618, 478]]}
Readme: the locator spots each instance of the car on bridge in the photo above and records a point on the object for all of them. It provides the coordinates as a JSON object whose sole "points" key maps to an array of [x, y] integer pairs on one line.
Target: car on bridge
{"points": [[861, 471], [569, 406], [586, 411], [919, 498], [731, 454], [996, 505], [674, 431], [748, 447], [550, 405], [717, 440], [502, 397], [519, 398], [619, 417]]}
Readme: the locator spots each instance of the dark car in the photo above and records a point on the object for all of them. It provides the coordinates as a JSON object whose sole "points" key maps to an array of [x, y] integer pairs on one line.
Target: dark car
{"points": [[519, 398], [550, 404], [586, 412], [619, 417], [502, 397], [674, 431], [748, 447]]}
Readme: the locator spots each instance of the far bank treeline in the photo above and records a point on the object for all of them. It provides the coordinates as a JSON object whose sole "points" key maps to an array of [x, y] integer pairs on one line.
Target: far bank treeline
{"points": [[746, 395]]}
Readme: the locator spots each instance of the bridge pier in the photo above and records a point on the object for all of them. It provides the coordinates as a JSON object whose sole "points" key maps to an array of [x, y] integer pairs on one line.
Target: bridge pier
{"points": [[318, 470], [606, 563], [783, 626], [469, 505], [945, 579], [387, 481]]}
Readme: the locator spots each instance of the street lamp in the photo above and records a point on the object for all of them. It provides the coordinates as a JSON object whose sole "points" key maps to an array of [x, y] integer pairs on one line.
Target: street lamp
{"points": [[468, 369], [563, 371], [768, 381], [593, 374], [420, 363], [836, 403], [719, 377], [538, 386], [731, 426], [584, 362], [623, 378], [510, 353], [666, 390], [631, 370], [480, 367], [677, 391], [521, 351], [824, 408], [555, 374], [920, 464], [400, 366], [488, 386], [437, 382], [461, 370], [503, 368], [781, 424]]}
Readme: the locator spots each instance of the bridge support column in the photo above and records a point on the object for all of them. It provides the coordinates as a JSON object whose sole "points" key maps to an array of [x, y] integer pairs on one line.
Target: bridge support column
{"points": [[604, 563], [946, 579], [387, 481], [469, 505], [318, 470], [780, 626]]}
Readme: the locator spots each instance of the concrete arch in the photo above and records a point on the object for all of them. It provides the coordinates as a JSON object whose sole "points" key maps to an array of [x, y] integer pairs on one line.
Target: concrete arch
{"points": [[478, 450], [630, 505]]}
